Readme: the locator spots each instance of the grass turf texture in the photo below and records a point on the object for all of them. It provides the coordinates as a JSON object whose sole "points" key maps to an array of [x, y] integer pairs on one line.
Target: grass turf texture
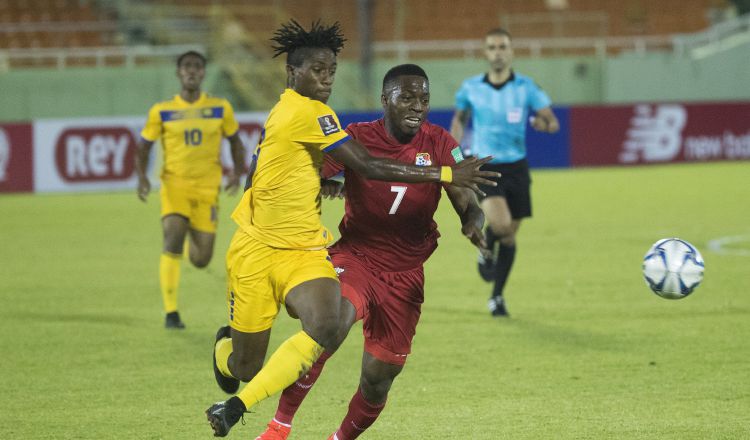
{"points": [[589, 353]]}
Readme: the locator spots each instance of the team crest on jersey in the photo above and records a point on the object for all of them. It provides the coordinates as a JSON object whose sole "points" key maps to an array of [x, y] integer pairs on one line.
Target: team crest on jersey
{"points": [[328, 125], [423, 160]]}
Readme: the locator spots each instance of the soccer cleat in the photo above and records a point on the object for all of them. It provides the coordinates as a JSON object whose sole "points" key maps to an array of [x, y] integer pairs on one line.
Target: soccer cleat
{"points": [[275, 431], [496, 305], [486, 266], [229, 385], [173, 320], [223, 415]]}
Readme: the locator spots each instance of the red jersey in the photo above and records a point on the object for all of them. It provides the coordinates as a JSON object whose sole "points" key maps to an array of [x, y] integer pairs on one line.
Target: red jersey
{"points": [[390, 224]]}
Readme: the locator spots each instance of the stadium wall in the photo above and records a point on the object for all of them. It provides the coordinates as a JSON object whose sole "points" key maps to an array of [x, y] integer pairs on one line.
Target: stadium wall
{"points": [[97, 154], [34, 93]]}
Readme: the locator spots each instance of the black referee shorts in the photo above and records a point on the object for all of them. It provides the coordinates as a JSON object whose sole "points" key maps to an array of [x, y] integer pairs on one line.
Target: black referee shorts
{"points": [[514, 186]]}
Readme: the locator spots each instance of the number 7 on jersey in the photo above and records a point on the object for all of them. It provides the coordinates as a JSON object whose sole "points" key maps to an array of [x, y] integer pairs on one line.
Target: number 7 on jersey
{"points": [[400, 191]]}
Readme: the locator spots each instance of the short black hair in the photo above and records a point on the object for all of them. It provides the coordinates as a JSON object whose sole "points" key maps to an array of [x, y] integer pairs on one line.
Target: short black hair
{"points": [[498, 31], [191, 53], [291, 37], [403, 70]]}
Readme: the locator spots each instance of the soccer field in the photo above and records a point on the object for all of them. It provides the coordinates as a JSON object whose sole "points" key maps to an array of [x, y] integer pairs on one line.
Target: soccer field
{"points": [[589, 352]]}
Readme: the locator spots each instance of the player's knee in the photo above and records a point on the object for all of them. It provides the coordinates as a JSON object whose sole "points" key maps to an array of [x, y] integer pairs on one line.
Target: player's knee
{"points": [[508, 240], [326, 332], [375, 390], [173, 246], [502, 229], [201, 260]]}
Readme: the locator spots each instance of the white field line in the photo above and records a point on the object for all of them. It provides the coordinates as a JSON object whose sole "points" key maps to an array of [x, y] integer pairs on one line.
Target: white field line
{"points": [[719, 245]]}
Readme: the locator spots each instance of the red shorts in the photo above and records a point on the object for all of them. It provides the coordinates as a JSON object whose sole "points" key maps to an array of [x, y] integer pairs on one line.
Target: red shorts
{"points": [[388, 303]]}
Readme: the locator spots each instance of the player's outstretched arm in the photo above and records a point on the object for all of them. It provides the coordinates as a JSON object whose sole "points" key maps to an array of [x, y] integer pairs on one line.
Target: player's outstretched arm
{"points": [[472, 218], [141, 167], [465, 174], [238, 159]]}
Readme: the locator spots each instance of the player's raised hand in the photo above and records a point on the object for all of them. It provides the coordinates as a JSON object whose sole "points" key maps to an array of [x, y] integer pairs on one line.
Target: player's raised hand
{"points": [[233, 183], [144, 187], [468, 175], [331, 189]]}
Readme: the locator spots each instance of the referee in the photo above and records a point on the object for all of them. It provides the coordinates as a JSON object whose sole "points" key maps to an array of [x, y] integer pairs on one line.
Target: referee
{"points": [[499, 103]]}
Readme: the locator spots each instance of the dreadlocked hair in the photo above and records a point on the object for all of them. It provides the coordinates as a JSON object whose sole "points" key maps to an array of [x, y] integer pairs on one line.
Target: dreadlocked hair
{"points": [[291, 37]]}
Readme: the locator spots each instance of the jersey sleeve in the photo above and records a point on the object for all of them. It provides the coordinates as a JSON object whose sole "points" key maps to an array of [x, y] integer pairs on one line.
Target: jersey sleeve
{"points": [[462, 98], [448, 150], [229, 125], [538, 99], [331, 167], [152, 130], [321, 128]]}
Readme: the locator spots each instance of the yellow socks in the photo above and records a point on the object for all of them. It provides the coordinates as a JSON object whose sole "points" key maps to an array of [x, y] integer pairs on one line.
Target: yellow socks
{"points": [[222, 350], [169, 279], [291, 360]]}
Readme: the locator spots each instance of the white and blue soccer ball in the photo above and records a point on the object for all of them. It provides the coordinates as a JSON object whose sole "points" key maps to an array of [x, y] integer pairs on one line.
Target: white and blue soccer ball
{"points": [[673, 268]]}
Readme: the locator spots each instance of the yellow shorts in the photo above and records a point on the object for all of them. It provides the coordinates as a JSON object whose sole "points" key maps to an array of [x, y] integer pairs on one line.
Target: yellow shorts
{"points": [[200, 206], [259, 278]]}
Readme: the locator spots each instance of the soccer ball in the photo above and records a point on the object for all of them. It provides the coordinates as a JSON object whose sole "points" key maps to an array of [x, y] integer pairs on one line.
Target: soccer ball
{"points": [[673, 268]]}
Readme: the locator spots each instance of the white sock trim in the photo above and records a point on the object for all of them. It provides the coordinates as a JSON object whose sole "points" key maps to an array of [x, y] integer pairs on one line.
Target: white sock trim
{"points": [[282, 424]]}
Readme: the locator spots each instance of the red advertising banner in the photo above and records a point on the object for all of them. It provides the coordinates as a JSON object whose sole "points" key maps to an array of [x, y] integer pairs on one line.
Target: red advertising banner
{"points": [[659, 133], [16, 158]]}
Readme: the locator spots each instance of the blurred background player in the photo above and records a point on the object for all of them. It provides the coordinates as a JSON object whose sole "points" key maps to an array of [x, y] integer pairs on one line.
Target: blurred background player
{"points": [[278, 254], [387, 234], [191, 127], [499, 103]]}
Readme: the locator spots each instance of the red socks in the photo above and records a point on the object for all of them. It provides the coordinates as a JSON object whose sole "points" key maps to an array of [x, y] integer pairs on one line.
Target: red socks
{"points": [[362, 414], [294, 394]]}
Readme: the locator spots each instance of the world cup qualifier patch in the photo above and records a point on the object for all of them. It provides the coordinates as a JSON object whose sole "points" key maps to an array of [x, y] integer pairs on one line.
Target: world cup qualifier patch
{"points": [[423, 160], [328, 125]]}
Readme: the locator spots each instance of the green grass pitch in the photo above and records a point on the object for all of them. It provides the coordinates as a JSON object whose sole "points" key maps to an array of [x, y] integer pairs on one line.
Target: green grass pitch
{"points": [[589, 353]]}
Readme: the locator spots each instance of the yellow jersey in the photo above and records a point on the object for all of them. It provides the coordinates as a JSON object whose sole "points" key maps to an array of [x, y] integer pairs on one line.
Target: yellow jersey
{"points": [[282, 206], [191, 135]]}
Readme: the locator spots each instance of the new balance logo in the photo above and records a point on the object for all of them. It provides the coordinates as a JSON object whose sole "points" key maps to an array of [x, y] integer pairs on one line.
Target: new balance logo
{"points": [[655, 134]]}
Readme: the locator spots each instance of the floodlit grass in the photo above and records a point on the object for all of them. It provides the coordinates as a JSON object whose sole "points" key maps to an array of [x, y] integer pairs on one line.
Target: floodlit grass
{"points": [[589, 352]]}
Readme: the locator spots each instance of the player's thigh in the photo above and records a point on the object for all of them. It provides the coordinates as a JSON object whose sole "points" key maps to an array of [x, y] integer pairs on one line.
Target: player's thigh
{"points": [[174, 229], [390, 322], [252, 301], [317, 303], [377, 377], [497, 213]]}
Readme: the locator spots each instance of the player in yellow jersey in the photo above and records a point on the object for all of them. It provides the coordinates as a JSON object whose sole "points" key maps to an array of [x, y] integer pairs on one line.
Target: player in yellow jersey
{"points": [[191, 127], [278, 255]]}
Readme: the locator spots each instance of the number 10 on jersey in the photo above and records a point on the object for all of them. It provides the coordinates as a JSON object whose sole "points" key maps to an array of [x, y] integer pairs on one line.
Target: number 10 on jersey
{"points": [[193, 137]]}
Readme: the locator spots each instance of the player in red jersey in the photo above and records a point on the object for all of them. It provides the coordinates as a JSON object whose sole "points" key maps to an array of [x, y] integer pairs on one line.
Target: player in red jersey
{"points": [[387, 234]]}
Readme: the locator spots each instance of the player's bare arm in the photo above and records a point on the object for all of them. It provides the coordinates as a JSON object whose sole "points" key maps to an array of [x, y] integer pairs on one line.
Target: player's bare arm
{"points": [[238, 159], [472, 217], [141, 167], [545, 121], [465, 174], [458, 123]]}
